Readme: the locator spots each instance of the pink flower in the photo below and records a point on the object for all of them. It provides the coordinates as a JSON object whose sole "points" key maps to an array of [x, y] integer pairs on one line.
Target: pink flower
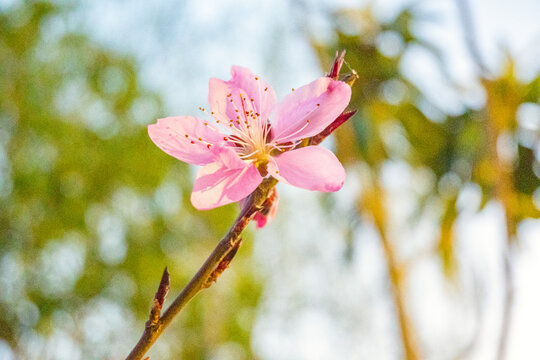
{"points": [[234, 162]]}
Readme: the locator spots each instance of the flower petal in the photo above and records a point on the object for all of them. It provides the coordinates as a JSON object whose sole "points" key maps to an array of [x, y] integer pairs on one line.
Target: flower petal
{"points": [[311, 168], [227, 180], [308, 110], [227, 104], [266, 215], [186, 138]]}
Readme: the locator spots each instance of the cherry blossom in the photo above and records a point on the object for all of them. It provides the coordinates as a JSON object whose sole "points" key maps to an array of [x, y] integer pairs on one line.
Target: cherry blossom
{"points": [[242, 146]]}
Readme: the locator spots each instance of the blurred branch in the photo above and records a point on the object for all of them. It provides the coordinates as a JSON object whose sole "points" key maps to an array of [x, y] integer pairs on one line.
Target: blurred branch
{"points": [[467, 22], [496, 124], [503, 180], [373, 203], [508, 303], [214, 265]]}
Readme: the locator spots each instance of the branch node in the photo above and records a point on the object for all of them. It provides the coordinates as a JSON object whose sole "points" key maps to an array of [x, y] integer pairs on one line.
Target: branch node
{"points": [[223, 265]]}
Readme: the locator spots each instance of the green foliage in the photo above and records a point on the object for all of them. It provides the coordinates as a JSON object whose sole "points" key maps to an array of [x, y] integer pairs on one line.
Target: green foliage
{"points": [[91, 209], [393, 125]]}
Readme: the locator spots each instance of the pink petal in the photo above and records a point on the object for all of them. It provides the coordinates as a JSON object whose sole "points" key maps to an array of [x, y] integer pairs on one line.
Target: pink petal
{"points": [[227, 180], [311, 168], [266, 215], [259, 97], [261, 220], [186, 138], [308, 110]]}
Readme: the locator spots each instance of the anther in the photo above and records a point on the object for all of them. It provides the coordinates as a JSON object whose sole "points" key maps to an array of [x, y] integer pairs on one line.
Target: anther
{"points": [[256, 78], [292, 89], [200, 139], [187, 135], [208, 146], [193, 142], [226, 138]]}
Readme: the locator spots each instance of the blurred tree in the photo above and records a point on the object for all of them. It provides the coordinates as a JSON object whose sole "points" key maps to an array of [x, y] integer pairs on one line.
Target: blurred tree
{"points": [[91, 211], [488, 147]]}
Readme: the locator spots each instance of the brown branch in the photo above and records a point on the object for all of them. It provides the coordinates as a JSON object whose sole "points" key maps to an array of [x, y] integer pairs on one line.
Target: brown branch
{"points": [[214, 265], [218, 261]]}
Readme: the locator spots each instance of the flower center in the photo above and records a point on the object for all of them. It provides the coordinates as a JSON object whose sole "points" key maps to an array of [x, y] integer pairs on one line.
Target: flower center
{"points": [[249, 131]]}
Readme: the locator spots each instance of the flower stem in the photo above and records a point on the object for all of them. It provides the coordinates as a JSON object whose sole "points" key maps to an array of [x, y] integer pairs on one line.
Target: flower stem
{"points": [[207, 273]]}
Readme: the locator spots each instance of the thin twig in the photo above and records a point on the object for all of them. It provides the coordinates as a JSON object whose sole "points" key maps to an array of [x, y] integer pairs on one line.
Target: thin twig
{"points": [[260, 200], [212, 267]]}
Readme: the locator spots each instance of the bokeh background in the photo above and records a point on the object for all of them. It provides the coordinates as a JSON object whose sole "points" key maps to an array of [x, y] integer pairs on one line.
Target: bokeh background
{"points": [[430, 251]]}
